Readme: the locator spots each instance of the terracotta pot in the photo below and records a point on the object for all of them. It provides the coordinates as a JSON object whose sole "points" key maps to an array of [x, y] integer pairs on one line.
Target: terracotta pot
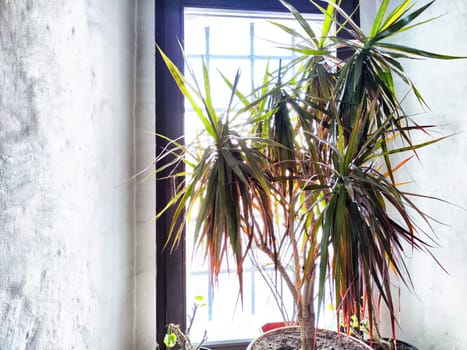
{"points": [[272, 325], [288, 338]]}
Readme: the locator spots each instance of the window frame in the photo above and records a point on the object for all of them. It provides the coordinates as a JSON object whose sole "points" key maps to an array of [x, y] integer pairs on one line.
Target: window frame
{"points": [[170, 264]]}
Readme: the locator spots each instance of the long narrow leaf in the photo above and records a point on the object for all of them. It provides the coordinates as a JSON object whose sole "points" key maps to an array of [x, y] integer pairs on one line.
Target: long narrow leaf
{"points": [[379, 17]]}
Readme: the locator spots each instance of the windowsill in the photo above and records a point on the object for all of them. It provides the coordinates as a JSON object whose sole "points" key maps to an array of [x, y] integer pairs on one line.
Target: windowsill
{"points": [[240, 344]]}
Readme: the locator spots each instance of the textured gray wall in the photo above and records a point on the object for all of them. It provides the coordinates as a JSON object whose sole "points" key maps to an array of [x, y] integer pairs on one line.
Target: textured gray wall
{"points": [[66, 128], [434, 317]]}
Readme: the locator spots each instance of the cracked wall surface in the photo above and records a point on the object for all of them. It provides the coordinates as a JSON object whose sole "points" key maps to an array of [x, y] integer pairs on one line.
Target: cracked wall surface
{"points": [[66, 122]]}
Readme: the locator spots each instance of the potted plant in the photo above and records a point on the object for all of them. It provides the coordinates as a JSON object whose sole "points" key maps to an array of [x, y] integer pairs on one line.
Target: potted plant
{"points": [[176, 336], [359, 329], [303, 168]]}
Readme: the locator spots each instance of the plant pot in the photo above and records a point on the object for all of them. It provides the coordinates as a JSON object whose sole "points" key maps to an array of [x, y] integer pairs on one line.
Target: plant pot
{"points": [[272, 325], [387, 344], [288, 338]]}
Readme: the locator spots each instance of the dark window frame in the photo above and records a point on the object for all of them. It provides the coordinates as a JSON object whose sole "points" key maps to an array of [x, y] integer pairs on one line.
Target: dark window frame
{"points": [[170, 265]]}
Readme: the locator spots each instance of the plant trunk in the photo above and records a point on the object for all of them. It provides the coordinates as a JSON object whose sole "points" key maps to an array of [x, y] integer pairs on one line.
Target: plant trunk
{"points": [[307, 331]]}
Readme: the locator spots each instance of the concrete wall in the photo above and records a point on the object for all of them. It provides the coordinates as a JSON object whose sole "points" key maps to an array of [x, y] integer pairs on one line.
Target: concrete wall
{"points": [[70, 132], [434, 316]]}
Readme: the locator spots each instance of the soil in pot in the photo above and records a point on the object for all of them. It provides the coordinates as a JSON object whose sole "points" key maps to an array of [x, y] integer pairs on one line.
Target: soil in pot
{"points": [[288, 338]]}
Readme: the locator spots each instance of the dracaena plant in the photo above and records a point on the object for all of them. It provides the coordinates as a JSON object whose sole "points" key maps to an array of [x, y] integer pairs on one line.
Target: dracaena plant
{"points": [[303, 167]]}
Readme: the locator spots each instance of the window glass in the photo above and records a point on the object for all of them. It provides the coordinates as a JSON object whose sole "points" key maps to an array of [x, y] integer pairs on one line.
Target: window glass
{"points": [[229, 41]]}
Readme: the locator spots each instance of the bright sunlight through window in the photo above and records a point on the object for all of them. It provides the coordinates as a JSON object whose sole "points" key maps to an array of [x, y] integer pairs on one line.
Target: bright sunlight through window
{"points": [[229, 42]]}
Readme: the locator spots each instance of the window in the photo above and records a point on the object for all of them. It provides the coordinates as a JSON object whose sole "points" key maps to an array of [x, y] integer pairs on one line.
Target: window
{"points": [[170, 22], [231, 40]]}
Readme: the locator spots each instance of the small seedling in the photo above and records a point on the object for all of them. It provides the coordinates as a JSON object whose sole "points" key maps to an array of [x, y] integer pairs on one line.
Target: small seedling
{"points": [[176, 336]]}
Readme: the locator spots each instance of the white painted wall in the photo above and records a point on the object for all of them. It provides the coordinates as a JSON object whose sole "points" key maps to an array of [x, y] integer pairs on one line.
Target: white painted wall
{"points": [[74, 103], [435, 316], [144, 195]]}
